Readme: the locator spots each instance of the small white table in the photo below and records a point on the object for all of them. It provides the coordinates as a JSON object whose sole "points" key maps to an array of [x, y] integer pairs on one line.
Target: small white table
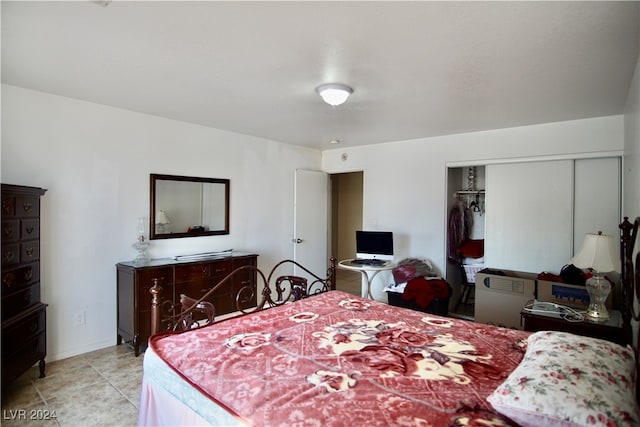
{"points": [[365, 269]]}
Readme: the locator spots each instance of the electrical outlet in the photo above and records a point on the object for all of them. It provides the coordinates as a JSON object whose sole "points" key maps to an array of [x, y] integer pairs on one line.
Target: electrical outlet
{"points": [[80, 318]]}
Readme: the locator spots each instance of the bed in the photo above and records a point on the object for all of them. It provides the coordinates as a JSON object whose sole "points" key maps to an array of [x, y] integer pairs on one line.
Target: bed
{"points": [[333, 359]]}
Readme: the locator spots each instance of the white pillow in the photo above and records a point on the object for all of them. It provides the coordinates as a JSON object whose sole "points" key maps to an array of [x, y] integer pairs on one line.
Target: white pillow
{"points": [[570, 380]]}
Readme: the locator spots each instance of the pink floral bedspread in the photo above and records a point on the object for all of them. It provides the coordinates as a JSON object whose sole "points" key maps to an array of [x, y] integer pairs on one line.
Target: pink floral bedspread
{"points": [[339, 360]]}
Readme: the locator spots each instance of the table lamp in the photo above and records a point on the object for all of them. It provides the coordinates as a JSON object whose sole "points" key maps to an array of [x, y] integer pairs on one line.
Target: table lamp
{"points": [[142, 243], [162, 222], [599, 254]]}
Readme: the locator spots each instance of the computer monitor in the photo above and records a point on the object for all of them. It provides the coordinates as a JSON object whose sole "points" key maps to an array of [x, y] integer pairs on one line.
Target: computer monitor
{"points": [[374, 245]]}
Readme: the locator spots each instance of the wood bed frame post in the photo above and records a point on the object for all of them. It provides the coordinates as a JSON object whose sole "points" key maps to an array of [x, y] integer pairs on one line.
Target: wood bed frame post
{"points": [[626, 279], [332, 273], [155, 290]]}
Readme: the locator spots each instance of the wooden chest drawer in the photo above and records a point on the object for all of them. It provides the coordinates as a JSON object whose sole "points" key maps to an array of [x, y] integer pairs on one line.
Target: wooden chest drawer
{"points": [[27, 206], [30, 251], [14, 303], [10, 230], [190, 272], [18, 332], [146, 279], [208, 270], [219, 269], [29, 229], [23, 357], [10, 254], [19, 277], [195, 290]]}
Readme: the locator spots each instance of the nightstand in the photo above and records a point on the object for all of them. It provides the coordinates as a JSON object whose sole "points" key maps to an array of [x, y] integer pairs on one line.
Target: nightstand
{"points": [[610, 330]]}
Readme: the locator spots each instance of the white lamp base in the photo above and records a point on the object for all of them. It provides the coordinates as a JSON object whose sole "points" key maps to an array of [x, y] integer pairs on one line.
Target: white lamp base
{"points": [[598, 289]]}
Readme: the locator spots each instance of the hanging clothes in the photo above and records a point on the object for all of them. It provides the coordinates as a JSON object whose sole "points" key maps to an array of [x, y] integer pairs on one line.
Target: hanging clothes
{"points": [[459, 228]]}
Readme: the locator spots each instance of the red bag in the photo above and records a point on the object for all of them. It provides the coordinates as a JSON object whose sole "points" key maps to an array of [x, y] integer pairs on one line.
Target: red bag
{"points": [[403, 273]]}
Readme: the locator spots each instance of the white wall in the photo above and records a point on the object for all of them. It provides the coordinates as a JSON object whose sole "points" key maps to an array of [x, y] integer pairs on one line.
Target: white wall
{"points": [[405, 182], [95, 163]]}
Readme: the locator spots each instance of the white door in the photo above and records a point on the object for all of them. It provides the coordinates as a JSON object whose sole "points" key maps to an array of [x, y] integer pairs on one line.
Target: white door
{"points": [[529, 216], [311, 221]]}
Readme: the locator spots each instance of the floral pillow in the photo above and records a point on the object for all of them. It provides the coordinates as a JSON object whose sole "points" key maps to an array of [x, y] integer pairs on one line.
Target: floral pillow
{"points": [[569, 380]]}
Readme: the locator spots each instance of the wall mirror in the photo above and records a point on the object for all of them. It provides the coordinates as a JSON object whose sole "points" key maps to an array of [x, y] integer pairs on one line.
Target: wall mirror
{"points": [[185, 206]]}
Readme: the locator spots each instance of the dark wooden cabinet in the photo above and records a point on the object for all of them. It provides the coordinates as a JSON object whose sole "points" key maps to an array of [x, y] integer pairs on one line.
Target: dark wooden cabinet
{"points": [[193, 278], [611, 330], [24, 332]]}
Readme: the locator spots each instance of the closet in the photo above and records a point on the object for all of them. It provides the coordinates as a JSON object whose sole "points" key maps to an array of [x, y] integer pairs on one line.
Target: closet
{"points": [[536, 213], [465, 235]]}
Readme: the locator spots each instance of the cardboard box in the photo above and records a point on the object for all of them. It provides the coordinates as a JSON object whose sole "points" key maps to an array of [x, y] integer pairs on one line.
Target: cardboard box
{"points": [[565, 294], [500, 298]]}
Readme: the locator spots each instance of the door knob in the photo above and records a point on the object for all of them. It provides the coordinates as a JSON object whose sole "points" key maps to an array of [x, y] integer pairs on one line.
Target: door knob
{"points": [[297, 240]]}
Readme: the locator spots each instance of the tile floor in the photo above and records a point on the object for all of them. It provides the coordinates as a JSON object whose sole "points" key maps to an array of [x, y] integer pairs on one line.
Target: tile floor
{"points": [[100, 388]]}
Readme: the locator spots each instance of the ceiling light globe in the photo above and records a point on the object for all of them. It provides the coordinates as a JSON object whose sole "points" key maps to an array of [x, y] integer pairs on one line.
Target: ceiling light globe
{"points": [[334, 94]]}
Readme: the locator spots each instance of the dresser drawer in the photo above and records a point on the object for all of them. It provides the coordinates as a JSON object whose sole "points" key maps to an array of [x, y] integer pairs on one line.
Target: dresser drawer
{"points": [[219, 269], [14, 303], [146, 281], [8, 205], [29, 229], [145, 277], [23, 329], [195, 290], [10, 230], [19, 277], [187, 273], [10, 254], [22, 358], [27, 206], [30, 251]]}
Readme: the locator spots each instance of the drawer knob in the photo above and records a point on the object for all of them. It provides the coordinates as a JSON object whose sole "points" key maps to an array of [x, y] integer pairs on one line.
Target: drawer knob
{"points": [[28, 274], [8, 256], [30, 251], [8, 231], [27, 206], [8, 280], [30, 229], [7, 207]]}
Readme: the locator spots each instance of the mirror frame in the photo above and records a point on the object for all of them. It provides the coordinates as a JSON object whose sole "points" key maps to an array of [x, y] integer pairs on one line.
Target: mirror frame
{"points": [[152, 214]]}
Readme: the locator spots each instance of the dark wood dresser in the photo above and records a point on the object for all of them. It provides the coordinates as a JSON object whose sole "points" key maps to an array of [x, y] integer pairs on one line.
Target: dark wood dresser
{"points": [[192, 278], [24, 335]]}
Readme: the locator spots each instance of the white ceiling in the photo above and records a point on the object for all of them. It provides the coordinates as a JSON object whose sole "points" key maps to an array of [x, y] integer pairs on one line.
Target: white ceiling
{"points": [[417, 68]]}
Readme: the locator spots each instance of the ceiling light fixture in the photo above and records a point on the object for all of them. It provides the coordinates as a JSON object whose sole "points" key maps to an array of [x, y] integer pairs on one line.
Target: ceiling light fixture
{"points": [[334, 94]]}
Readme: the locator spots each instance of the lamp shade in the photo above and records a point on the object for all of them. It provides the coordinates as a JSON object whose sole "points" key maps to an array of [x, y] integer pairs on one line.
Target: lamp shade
{"points": [[598, 252], [162, 218], [334, 93]]}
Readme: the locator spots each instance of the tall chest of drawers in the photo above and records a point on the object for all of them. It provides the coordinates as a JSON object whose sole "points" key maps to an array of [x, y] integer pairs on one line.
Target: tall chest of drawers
{"points": [[23, 314], [193, 279]]}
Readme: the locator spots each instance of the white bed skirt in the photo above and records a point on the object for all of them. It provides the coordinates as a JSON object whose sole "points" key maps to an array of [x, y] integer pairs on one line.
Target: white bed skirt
{"points": [[167, 400]]}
